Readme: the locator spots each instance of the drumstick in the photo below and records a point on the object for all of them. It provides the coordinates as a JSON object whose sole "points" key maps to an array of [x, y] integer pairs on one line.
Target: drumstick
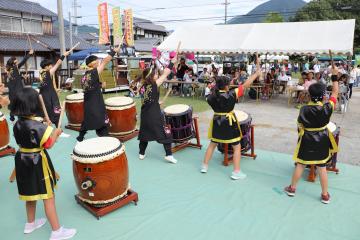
{"points": [[43, 108], [75, 46], [331, 59], [61, 115]]}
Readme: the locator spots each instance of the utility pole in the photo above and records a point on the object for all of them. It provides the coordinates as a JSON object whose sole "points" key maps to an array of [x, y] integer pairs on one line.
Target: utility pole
{"points": [[70, 29], [61, 29], [75, 7], [226, 3]]}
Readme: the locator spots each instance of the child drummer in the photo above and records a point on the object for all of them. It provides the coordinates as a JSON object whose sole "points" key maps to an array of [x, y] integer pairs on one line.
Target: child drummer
{"points": [[224, 127], [316, 143], [95, 117], [35, 175]]}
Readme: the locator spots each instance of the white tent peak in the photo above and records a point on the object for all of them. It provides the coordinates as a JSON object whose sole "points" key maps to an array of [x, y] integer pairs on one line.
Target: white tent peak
{"points": [[274, 38]]}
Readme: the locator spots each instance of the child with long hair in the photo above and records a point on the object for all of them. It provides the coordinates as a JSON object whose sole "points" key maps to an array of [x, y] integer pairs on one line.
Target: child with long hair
{"points": [[35, 174]]}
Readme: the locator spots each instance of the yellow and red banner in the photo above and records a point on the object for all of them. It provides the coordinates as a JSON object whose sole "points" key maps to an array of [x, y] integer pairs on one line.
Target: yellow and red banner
{"points": [[104, 31], [117, 26], [129, 29]]}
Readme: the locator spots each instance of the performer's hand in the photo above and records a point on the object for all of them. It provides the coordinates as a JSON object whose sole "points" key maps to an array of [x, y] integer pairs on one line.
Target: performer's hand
{"points": [[58, 90], [48, 122], [118, 48], [31, 52], [58, 131], [4, 101], [67, 53], [161, 103]]}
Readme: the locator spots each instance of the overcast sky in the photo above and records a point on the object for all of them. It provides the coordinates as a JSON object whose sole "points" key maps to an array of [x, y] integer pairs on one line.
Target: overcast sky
{"points": [[176, 9]]}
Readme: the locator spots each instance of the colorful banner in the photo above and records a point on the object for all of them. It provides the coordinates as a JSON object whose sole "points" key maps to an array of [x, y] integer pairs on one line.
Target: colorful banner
{"points": [[129, 29], [104, 32], [117, 26]]}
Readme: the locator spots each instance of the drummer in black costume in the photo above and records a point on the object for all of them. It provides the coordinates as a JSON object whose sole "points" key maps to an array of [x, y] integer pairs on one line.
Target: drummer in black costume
{"points": [[48, 88], [16, 83], [95, 117], [225, 128], [152, 125]]}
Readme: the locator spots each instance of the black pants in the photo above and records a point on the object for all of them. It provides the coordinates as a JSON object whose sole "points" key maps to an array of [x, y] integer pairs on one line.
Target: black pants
{"points": [[143, 145], [350, 87], [101, 132]]}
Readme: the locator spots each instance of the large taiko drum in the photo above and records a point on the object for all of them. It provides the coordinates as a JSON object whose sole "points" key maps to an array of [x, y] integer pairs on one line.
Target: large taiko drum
{"points": [[244, 120], [179, 117], [74, 108], [335, 130], [122, 115], [100, 170], [4, 132]]}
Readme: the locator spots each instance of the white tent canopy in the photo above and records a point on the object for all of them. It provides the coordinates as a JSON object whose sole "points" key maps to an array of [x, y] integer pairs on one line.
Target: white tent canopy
{"points": [[274, 38]]}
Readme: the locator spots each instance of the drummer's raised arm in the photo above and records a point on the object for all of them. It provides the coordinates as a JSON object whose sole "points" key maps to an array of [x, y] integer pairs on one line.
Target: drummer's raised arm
{"points": [[106, 60], [166, 72], [254, 76]]}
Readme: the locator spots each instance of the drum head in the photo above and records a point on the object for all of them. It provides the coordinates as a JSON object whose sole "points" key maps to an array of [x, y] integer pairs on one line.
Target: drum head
{"points": [[98, 149], [119, 101], [332, 127], [176, 109], [75, 97], [241, 116]]}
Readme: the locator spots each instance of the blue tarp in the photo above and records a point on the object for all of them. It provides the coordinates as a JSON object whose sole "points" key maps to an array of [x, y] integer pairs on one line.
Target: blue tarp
{"points": [[81, 55]]}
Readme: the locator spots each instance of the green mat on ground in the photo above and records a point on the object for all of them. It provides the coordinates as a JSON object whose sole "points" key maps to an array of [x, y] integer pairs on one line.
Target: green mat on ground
{"points": [[178, 202]]}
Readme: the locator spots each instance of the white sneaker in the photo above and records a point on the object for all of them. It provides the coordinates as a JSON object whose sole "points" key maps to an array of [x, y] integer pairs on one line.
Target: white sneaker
{"points": [[238, 175], [63, 233], [204, 168], [141, 157], [171, 159], [30, 227], [64, 135]]}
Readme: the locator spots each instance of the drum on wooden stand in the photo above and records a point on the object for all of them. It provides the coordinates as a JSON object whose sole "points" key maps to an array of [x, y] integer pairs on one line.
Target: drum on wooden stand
{"points": [[5, 149], [122, 115], [179, 117], [101, 174], [335, 130], [244, 120], [74, 107]]}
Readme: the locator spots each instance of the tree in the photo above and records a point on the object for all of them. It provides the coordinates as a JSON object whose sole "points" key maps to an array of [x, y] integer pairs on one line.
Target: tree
{"points": [[332, 10], [273, 17]]}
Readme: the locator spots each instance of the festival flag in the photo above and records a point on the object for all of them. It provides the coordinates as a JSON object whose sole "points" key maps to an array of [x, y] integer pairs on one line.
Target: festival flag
{"points": [[104, 31], [129, 29], [117, 26]]}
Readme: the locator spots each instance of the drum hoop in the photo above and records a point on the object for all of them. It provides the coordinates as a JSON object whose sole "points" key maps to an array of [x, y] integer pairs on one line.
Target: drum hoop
{"points": [[74, 101], [98, 158], [120, 107], [2, 148], [106, 201], [122, 133]]}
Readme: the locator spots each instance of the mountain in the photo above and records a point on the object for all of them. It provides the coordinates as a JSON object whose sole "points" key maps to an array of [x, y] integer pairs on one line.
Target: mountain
{"points": [[81, 28], [287, 8]]}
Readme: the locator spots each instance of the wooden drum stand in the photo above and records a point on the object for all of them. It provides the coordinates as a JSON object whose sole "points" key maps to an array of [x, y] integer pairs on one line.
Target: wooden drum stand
{"points": [[179, 146]]}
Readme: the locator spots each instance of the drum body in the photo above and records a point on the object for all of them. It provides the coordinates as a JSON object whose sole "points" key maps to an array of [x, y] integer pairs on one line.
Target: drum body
{"points": [[122, 115], [244, 120], [335, 130], [74, 108], [179, 117], [4, 132], [100, 170]]}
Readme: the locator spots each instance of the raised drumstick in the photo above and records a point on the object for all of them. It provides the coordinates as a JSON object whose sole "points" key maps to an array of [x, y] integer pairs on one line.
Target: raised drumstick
{"points": [[331, 59], [61, 114], [75, 46], [44, 108]]}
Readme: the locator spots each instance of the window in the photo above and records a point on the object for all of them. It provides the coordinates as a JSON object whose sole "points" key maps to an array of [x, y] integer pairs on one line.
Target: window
{"points": [[10, 24], [31, 26]]}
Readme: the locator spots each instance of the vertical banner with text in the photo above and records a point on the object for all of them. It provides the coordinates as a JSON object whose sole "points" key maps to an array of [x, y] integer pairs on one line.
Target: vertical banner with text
{"points": [[117, 26], [129, 29], [104, 32]]}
